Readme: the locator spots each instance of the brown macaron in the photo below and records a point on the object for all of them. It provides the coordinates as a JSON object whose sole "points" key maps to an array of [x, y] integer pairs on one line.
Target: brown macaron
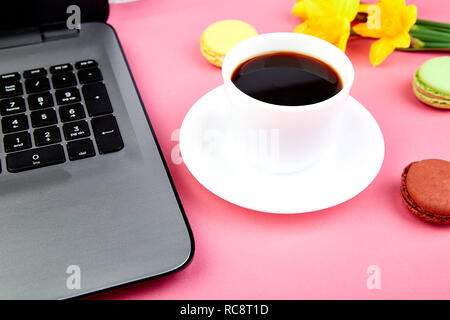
{"points": [[425, 190]]}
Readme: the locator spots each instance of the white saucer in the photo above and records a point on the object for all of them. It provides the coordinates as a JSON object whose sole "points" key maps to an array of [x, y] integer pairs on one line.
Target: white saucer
{"points": [[340, 176]]}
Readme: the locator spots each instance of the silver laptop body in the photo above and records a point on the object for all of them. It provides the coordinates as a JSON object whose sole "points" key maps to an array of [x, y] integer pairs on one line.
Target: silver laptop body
{"points": [[82, 226]]}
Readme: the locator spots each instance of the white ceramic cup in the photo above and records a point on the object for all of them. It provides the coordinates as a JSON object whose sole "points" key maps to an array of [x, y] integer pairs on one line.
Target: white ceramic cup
{"points": [[288, 138]]}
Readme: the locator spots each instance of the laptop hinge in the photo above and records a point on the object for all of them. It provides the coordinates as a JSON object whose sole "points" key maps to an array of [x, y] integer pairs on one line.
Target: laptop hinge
{"points": [[28, 36], [20, 37], [57, 32]]}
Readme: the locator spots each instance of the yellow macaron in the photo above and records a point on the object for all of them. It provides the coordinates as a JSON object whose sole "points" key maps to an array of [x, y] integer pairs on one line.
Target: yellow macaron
{"points": [[223, 35]]}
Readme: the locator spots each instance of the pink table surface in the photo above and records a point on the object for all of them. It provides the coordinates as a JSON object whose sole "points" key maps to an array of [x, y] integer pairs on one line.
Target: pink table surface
{"points": [[242, 254]]}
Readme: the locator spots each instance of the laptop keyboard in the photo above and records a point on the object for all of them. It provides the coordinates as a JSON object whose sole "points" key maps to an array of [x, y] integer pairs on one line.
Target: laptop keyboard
{"points": [[45, 114]]}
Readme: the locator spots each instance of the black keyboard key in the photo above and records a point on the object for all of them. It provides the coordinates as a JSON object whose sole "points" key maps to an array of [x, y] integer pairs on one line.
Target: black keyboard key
{"points": [[14, 123], [107, 134], [97, 99], [64, 80], [35, 158], [37, 85], [66, 96], [34, 73], [90, 75], [12, 106], [40, 101], [10, 89], [86, 64], [45, 136], [72, 112], [80, 149], [61, 68], [17, 141], [43, 118], [76, 130], [9, 77]]}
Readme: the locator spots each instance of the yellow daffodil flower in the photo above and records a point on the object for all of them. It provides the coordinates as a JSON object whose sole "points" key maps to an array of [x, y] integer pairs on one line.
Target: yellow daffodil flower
{"points": [[327, 19], [390, 22]]}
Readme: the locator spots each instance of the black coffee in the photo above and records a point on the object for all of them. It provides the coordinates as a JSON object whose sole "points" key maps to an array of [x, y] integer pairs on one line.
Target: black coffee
{"points": [[287, 78]]}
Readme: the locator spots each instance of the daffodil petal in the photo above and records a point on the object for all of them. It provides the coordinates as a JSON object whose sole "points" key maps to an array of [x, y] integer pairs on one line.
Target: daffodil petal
{"points": [[333, 8], [347, 9], [380, 50], [401, 41], [342, 44], [301, 28], [363, 30], [392, 4], [315, 9], [412, 15], [363, 7], [344, 35], [299, 10]]}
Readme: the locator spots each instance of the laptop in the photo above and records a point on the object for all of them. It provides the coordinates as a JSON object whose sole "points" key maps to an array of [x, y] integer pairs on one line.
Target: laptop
{"points": [[86, 199]]}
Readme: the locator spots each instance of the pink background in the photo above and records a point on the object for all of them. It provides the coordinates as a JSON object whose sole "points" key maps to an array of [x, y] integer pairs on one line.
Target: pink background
{"points": [[242, 254]]}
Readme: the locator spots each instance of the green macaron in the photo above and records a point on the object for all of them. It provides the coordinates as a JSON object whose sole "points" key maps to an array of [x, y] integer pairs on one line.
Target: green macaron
{"points": [[432, 83]]}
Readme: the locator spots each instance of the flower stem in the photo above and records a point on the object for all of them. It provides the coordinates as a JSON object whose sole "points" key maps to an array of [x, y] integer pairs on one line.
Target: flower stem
{"points": [[419, 45], [426, 34], [437, 45], [433, 24], [432, 28], [447, 49]]}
